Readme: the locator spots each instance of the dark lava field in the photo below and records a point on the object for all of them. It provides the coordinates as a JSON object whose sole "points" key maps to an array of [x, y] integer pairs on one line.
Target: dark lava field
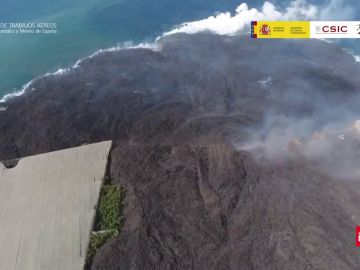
{"points": [[234, 153]]}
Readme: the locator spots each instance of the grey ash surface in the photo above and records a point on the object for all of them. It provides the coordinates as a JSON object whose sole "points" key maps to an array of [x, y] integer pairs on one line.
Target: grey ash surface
{"points": [[179, 117]]}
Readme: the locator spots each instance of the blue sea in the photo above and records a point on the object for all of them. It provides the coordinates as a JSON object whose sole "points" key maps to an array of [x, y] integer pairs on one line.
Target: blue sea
{"points": [[85, 26]]}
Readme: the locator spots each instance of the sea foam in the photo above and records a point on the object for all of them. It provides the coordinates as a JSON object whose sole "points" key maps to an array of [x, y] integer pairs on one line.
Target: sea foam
{"points": [[63, 71]]}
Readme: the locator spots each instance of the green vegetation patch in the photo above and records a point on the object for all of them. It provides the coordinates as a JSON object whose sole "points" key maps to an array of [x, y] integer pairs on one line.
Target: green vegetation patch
{"points": [[97, 240], [109, 219], [110, 208]]}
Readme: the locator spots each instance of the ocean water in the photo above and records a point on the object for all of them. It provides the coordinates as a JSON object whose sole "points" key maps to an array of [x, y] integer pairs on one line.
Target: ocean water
{"points": [[85, 26]]}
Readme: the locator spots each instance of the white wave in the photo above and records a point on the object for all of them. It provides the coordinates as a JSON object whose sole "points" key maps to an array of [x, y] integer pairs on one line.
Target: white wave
{"points": [[77, 64], [26, 86], [123, 46], [154, 46], [61, 71], [16, 93]]}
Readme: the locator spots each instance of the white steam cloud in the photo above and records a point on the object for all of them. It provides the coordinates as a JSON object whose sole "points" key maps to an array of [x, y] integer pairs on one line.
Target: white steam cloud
{"points": [[228, 24]]}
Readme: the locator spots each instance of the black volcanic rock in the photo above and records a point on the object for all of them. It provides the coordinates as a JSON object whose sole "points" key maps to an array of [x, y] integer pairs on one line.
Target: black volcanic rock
{"points": [[201, 129], [213, 207]]}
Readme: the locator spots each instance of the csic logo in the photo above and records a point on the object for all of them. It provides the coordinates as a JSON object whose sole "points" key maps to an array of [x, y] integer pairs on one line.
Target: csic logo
{"points": [[357, 236], [332, 29], [265, 30]]}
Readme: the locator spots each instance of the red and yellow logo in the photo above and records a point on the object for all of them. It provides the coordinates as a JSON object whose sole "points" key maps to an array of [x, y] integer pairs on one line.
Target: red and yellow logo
{"points": [[264, 30], [280, 29]]}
